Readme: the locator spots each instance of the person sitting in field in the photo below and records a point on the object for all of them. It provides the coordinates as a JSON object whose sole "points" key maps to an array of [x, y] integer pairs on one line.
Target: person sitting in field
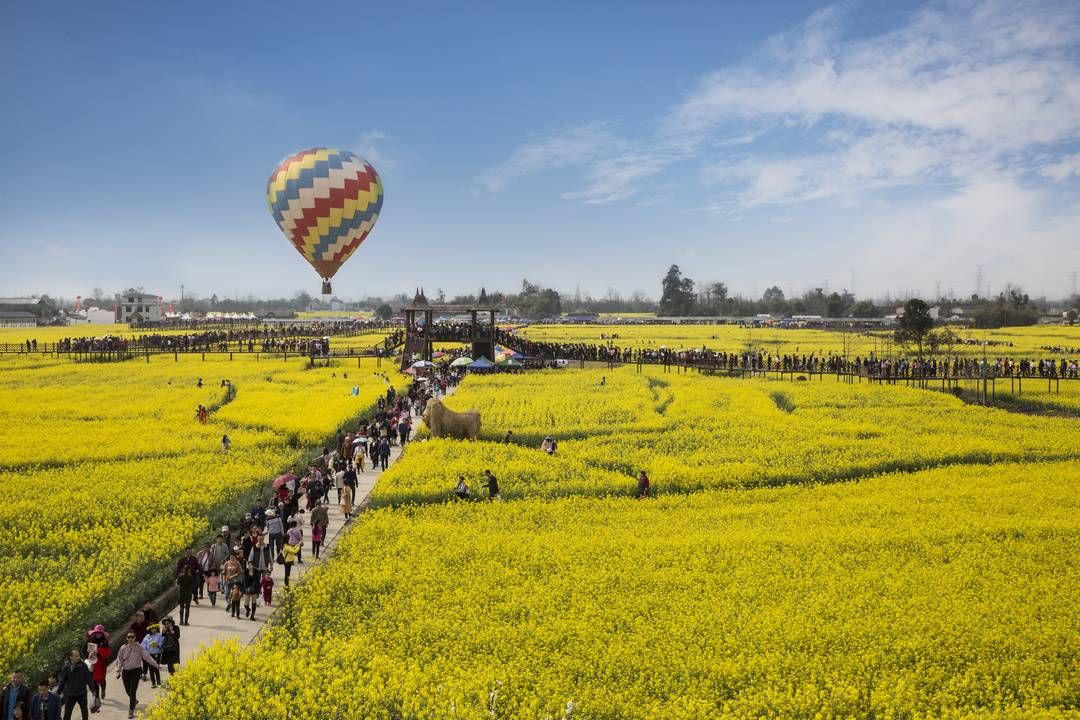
{"points": [[549, 445], [461, 490]]}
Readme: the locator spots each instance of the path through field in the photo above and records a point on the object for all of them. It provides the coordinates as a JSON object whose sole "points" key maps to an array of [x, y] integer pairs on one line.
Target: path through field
{"points": [[209, 623]]}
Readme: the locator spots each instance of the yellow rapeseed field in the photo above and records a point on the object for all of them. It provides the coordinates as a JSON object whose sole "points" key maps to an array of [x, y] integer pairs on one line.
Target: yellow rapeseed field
{"points": [[108, 475], [1032, 342], [937, 594], [814, 550]]}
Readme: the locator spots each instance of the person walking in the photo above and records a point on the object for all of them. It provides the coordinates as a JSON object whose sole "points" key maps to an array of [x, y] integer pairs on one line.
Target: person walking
{"points": [[45, 705], [317, 534], [251, 587], [347, 501], [189, 561], [152, 642], [14, 695], [76, 680], [384, 453], [213, 586], [275, 531], [261, 556], [230, 575], [320, 521], [267, 585], [288, 556], [97, 646], [492, 485], [185, 582], [129, 661], [219, 552], [295, 535], [170, 644]]}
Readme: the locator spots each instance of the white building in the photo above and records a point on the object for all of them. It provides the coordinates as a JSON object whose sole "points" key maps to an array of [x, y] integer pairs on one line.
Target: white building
{"points": [[137, 306], [18, 319], [98, 316]]}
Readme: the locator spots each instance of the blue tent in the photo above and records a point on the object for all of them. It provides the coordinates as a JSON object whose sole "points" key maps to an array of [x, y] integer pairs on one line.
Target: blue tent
{"points": [[481, 364]]}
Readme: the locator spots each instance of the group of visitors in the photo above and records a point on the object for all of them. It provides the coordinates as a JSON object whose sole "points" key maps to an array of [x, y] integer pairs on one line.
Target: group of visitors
{"points": [[462, 491], [236, 568], [208, 336], [952, 366]]}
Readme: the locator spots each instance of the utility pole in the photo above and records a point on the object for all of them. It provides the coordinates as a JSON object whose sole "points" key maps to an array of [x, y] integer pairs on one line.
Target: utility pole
{"points": [[181, 293], [853, 283], [978, 279]]}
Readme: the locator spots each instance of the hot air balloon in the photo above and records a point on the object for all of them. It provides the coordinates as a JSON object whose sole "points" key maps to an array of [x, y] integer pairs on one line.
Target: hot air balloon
{"points": [[325, 202]]}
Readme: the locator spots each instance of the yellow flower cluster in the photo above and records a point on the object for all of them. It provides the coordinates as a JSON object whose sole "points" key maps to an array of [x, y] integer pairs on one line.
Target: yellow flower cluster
{"points": [[1006, 342], [108, 474], [691, 432], [936, 594]]}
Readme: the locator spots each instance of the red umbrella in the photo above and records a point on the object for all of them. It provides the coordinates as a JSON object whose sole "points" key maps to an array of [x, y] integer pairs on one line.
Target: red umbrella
{"points": [[282, 479]]}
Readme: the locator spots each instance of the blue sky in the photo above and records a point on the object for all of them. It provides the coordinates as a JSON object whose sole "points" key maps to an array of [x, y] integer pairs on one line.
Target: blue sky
{"points": [[576, 144]]}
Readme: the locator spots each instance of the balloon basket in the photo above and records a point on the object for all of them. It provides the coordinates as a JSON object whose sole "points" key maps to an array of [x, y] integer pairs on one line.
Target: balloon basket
{"points": [[326, 289]]}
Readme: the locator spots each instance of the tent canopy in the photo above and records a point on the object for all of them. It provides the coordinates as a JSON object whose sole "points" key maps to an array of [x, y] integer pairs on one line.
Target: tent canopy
{"points": [[461, 362], [481, 364]]}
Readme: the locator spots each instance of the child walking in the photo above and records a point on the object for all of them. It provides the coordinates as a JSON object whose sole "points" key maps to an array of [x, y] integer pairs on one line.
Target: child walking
{"points": [[234, 600], [317, 532], [213, 585], [153, 642], [267, 584]]}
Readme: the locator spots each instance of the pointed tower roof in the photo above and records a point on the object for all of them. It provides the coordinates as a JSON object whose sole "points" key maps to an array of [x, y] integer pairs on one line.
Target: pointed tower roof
{"points": [[419, 301], [482, 302]]}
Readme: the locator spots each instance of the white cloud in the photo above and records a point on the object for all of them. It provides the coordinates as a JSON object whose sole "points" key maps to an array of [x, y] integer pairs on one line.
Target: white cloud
{"points": [[1063, 169], [371, 147], [618, 177], [959, 91], [573, 147]]}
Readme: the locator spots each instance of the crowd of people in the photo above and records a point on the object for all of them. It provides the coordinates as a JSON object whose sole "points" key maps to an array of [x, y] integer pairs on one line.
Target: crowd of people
{"points": [[867, 366], [235, 569], [296, 337]]}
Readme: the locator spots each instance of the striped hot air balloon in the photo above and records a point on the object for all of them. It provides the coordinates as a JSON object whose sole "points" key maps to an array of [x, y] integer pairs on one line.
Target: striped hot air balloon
{"points": [[326, 202]]}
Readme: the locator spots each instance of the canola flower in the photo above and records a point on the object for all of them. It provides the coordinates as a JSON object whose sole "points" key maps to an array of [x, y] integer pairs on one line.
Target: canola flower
{"points": [[1005, 342], [108, 475], [935, 594], [692, 432]]}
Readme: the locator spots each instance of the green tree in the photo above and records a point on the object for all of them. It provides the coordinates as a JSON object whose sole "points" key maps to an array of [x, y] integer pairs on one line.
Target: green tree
{"points": [[384, 312], [915, 324], [677, 296], [773, 299], [864, 309]]}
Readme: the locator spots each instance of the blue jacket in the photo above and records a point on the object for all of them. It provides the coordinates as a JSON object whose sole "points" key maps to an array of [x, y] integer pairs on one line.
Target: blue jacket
{"points": [[47, 710]]}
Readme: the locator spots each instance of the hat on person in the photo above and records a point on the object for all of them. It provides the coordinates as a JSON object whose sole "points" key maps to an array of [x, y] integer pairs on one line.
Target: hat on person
{"points": [[98, 629], [271, 513], [224, 528]]}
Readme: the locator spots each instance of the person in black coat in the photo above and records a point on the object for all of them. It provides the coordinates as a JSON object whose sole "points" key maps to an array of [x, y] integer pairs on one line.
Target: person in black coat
{"points": [[76, 681], [250, 583], [15, 694], [170, 644], [44, 705]]}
